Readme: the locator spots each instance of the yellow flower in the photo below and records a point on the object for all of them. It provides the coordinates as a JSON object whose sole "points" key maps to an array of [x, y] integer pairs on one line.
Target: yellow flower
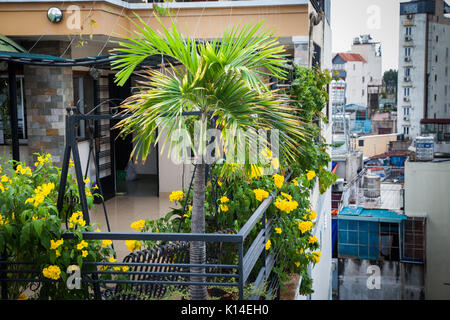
{"points": [[190, 208], [267, 153], [312, 215], [316, 256], [176, 195], [312, 239], [55, 244], [304, 226], [112, 259], [71, 163], [106, 243], [224, 199], [22, 296], [278, 230], [58, 254], [22, 170], [84, 253], [260, 194], [279, 180], [224, 207], [286, 205], [295, 182], [268, 244], [138, 225], [133, 245], [297, 263], [87, 180], [97, 230], [287, 196], [310, 174], [255, 171], [275, 163], [83, 244], [125, 268], [52, 272], [186, 215], [219, 183]]}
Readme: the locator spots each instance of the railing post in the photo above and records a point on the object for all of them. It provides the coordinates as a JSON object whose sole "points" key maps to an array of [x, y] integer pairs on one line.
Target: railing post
{"points": [[241, 269], [265, 240], [3, 275]]}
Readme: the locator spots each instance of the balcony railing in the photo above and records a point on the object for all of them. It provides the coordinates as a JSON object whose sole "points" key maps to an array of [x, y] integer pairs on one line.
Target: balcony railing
{"points": [[169, 273]]}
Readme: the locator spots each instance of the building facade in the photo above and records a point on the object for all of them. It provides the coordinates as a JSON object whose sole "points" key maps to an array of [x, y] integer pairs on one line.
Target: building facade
{"points": [[424, 63]]}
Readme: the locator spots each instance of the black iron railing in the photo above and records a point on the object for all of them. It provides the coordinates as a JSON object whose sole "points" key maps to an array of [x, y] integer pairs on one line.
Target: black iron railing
{"points": [[169, 273]]}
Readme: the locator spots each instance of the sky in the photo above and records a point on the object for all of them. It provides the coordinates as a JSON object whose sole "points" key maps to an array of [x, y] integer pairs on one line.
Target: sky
{"points": [[379, 18]]}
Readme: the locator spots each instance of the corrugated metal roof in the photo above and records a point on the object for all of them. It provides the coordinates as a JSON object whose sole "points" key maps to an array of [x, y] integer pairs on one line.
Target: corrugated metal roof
{"points": [[371, 214]]}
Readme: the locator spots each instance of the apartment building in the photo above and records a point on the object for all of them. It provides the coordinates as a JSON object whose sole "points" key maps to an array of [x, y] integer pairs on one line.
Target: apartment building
{"points": [[52, 55], [424, 79], [360, 69]]}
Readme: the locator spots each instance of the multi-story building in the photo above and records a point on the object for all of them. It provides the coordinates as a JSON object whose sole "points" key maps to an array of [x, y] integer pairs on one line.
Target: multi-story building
{"points": [[50, 79], [424, 79], [360, 68]]}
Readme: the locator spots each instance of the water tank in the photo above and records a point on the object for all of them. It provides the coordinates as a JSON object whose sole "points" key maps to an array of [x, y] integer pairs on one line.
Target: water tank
{"points": [[356, 40], [371, 186], [424, 148]]}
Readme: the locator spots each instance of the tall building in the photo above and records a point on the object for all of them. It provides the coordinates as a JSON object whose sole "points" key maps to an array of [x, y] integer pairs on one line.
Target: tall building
{"points": [[424, 80], [361, 70]]}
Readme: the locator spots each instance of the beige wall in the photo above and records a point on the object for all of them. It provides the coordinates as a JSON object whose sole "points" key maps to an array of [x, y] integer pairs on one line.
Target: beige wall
{"points": [[373, 145], [427, 186], [111, 20]]}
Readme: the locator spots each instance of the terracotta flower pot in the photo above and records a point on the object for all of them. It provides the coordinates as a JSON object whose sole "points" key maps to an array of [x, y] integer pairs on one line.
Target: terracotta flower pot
{"points": [[290, 287]]}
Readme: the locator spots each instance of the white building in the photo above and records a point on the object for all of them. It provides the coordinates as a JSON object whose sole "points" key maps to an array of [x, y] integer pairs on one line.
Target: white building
{"points": [[424, 63], [427, 186], [361, 70]]}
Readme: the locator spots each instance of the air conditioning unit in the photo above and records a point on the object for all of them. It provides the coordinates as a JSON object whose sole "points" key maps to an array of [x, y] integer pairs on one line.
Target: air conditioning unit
{"points": [[407, 59], [406, 118], [406, 99], [410, 16], [408, 38], [407, 79]]}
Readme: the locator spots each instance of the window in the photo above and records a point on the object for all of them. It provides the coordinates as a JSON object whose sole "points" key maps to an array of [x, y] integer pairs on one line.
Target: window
{"points": [[361, 143], [437, 38], [5, 131], [407, 51], [363, 79], [435, 78], [414, 239], [405, 111], [408, 31], [354, 66], [407, 72], [405, 130], [446, 71], [406, 92], [362, 92], [436, 58], [83, 96]]}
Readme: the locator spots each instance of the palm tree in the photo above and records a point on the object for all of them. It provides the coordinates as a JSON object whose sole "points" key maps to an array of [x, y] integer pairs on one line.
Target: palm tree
{"points": [[222, 78]]}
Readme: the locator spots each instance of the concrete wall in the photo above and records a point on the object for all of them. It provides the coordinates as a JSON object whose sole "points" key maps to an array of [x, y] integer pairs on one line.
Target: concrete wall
{"points": [[398, 280], [427, 186], [373, 145]]}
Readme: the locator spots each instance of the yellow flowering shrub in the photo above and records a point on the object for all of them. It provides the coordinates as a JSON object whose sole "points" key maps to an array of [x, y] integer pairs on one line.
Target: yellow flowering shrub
{"points": [[32, 229]]}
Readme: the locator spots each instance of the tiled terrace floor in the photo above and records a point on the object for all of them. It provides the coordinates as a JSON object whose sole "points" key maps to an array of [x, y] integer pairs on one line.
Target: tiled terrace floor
{"points": [[140, 202]]}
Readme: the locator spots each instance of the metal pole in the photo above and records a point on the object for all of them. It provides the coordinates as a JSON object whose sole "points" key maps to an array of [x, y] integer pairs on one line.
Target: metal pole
{"points": [[241, 269], [13, 111]]}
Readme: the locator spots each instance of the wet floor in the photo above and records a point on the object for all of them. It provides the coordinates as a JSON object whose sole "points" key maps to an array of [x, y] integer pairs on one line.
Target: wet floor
{"points": [[137, 200]]}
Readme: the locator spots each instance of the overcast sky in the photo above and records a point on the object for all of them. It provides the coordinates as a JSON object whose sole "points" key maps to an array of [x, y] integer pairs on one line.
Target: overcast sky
{"points": [[379, 18]]}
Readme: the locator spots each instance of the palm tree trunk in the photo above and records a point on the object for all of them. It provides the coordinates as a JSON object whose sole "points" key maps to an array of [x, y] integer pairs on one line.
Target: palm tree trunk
{"points": [[197, 252]]}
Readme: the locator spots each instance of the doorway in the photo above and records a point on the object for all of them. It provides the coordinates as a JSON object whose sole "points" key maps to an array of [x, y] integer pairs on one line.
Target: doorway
{"points": [[132, 178]]}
